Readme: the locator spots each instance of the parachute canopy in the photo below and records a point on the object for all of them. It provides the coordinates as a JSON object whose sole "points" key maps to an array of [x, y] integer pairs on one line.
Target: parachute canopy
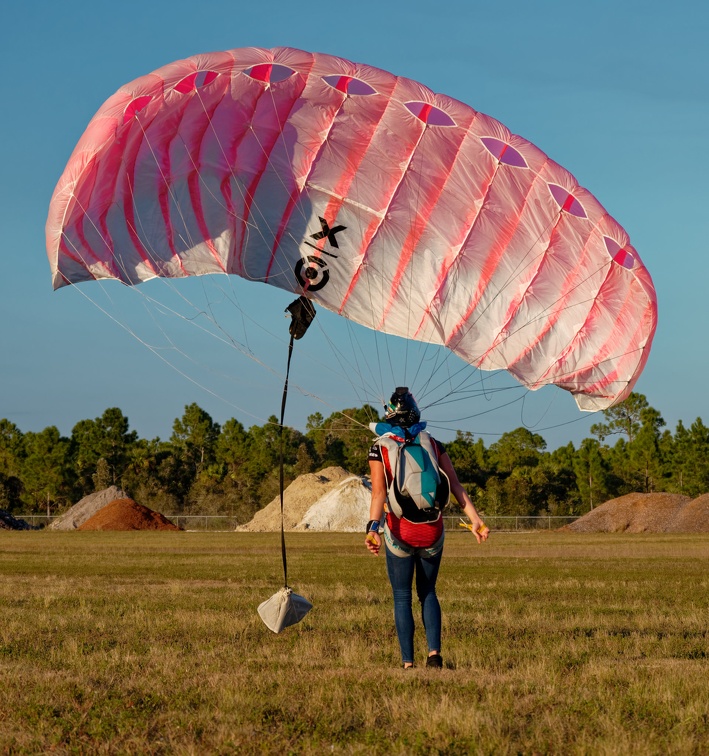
{"points": [[398, 208]]}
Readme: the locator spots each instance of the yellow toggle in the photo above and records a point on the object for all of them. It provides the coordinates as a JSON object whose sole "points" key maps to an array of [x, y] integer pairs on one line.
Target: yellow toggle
{"points": [[482, 530]]}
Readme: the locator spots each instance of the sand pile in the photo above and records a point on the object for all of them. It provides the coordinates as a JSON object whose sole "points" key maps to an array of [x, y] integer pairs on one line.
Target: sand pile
{"points": [[344, 509], [87, 507], [646, 513], [331, 499], [8, 522], [126, 514]]}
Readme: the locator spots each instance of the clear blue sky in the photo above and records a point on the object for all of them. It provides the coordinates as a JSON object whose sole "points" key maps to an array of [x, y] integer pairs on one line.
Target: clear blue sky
{"points": [[617, 92]]}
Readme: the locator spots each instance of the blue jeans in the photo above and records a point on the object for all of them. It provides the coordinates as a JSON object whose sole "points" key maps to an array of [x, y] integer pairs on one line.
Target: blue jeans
{"points": [[401, 574]]}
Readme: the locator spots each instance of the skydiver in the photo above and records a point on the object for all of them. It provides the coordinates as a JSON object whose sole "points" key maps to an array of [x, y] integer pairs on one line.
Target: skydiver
{"points": [[412, 547]]}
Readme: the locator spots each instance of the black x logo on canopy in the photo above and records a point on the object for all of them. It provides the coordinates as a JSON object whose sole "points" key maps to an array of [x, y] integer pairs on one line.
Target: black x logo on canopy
{"points": [[328, 232]]}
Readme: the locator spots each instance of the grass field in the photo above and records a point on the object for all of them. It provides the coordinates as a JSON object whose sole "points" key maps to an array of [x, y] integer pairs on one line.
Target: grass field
{"points": [[150, 643]]}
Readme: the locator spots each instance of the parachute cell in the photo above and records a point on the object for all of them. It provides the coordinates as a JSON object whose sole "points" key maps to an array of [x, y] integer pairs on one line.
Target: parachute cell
{"points": [[401, 209]]}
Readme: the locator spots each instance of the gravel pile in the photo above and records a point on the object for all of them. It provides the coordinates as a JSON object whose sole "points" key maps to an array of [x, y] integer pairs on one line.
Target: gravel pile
{"points": [[693, 517], [646, 513]]}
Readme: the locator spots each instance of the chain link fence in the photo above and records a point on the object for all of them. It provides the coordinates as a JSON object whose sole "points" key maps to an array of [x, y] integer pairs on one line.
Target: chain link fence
{"points": [[499, 523], [512, 523]]}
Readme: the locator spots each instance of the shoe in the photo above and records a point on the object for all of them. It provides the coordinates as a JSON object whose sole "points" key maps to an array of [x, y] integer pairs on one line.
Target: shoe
{"points": [[435, 661]]}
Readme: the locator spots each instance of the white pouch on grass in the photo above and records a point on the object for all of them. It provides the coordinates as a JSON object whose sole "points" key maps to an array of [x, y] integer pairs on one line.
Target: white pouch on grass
{"points": [[283, 609]]}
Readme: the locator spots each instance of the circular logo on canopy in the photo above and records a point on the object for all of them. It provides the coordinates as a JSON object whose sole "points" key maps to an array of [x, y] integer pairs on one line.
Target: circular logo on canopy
{"points": [[312, 273]]}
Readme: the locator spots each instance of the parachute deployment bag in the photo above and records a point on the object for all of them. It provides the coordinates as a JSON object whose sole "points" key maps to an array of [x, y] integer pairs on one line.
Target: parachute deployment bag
{"points": [[283, 609], [418, 489]]}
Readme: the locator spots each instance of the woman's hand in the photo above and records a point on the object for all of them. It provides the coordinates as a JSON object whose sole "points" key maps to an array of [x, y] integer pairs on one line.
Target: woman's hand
{"points": [[479, 528], [373, 542]]}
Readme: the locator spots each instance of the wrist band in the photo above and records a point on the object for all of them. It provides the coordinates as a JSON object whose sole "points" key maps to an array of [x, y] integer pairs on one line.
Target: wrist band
{"points": [[372, 526]]}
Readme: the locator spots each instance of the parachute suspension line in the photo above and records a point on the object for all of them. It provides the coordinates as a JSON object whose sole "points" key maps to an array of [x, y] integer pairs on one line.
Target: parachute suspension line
{"points": [[541, 417], [347, 366], [150, 302], [541, 315], [524, 262], [226, 337], [159, 355], [356, 345], [143, 240], [367, 376], [492, 409], [522, 398], [371, 387], [520, 266], [409, 273]]}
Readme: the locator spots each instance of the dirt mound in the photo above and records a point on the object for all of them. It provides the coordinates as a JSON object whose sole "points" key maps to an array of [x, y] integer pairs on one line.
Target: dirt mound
{"points": [[693, 517], [125, 514], [298, 500], [8, 522], [87, 507], [646, 513]]}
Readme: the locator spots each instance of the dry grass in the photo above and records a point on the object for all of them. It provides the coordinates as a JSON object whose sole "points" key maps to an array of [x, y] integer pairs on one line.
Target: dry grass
{"points": [[150, 643]]}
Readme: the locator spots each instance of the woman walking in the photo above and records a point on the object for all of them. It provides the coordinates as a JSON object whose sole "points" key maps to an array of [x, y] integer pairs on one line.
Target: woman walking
{"points": [[413, 534]]}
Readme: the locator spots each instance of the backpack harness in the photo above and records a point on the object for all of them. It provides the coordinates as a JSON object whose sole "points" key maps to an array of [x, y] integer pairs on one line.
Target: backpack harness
{"points": [[417, 489]]}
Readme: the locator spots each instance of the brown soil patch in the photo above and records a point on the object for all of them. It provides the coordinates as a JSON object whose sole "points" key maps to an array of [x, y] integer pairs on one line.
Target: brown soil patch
{"points": [[646, 513], [327, 500], [87, 507], [126, 514]]}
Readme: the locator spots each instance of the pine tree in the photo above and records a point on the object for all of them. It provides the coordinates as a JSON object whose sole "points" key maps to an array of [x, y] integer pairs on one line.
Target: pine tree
{"points": [[591, 474]]}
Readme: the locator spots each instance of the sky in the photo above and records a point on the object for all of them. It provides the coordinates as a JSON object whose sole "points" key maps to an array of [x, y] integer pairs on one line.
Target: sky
{"points": [[616, 92]]}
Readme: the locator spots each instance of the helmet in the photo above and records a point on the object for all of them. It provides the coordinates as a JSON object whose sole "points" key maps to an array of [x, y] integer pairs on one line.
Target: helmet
{"points": [[402, 408]]}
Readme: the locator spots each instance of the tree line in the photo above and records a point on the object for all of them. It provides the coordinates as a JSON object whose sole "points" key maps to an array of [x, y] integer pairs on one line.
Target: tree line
{"points": [[205, 468]]}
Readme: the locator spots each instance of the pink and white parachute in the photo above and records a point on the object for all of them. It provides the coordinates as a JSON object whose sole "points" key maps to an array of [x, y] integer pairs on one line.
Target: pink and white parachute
{"points": [[398, 208]]}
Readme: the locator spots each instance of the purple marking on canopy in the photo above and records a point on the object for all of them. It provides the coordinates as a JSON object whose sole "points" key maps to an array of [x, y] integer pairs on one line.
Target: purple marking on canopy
{"points": [[503, 152], [349, 85], [195, 81], [280, 73], [135, 106], [430, 114], [205, 77], [619, 254], [271, 73], [577, 209], [359, 87], [567, 201]]}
